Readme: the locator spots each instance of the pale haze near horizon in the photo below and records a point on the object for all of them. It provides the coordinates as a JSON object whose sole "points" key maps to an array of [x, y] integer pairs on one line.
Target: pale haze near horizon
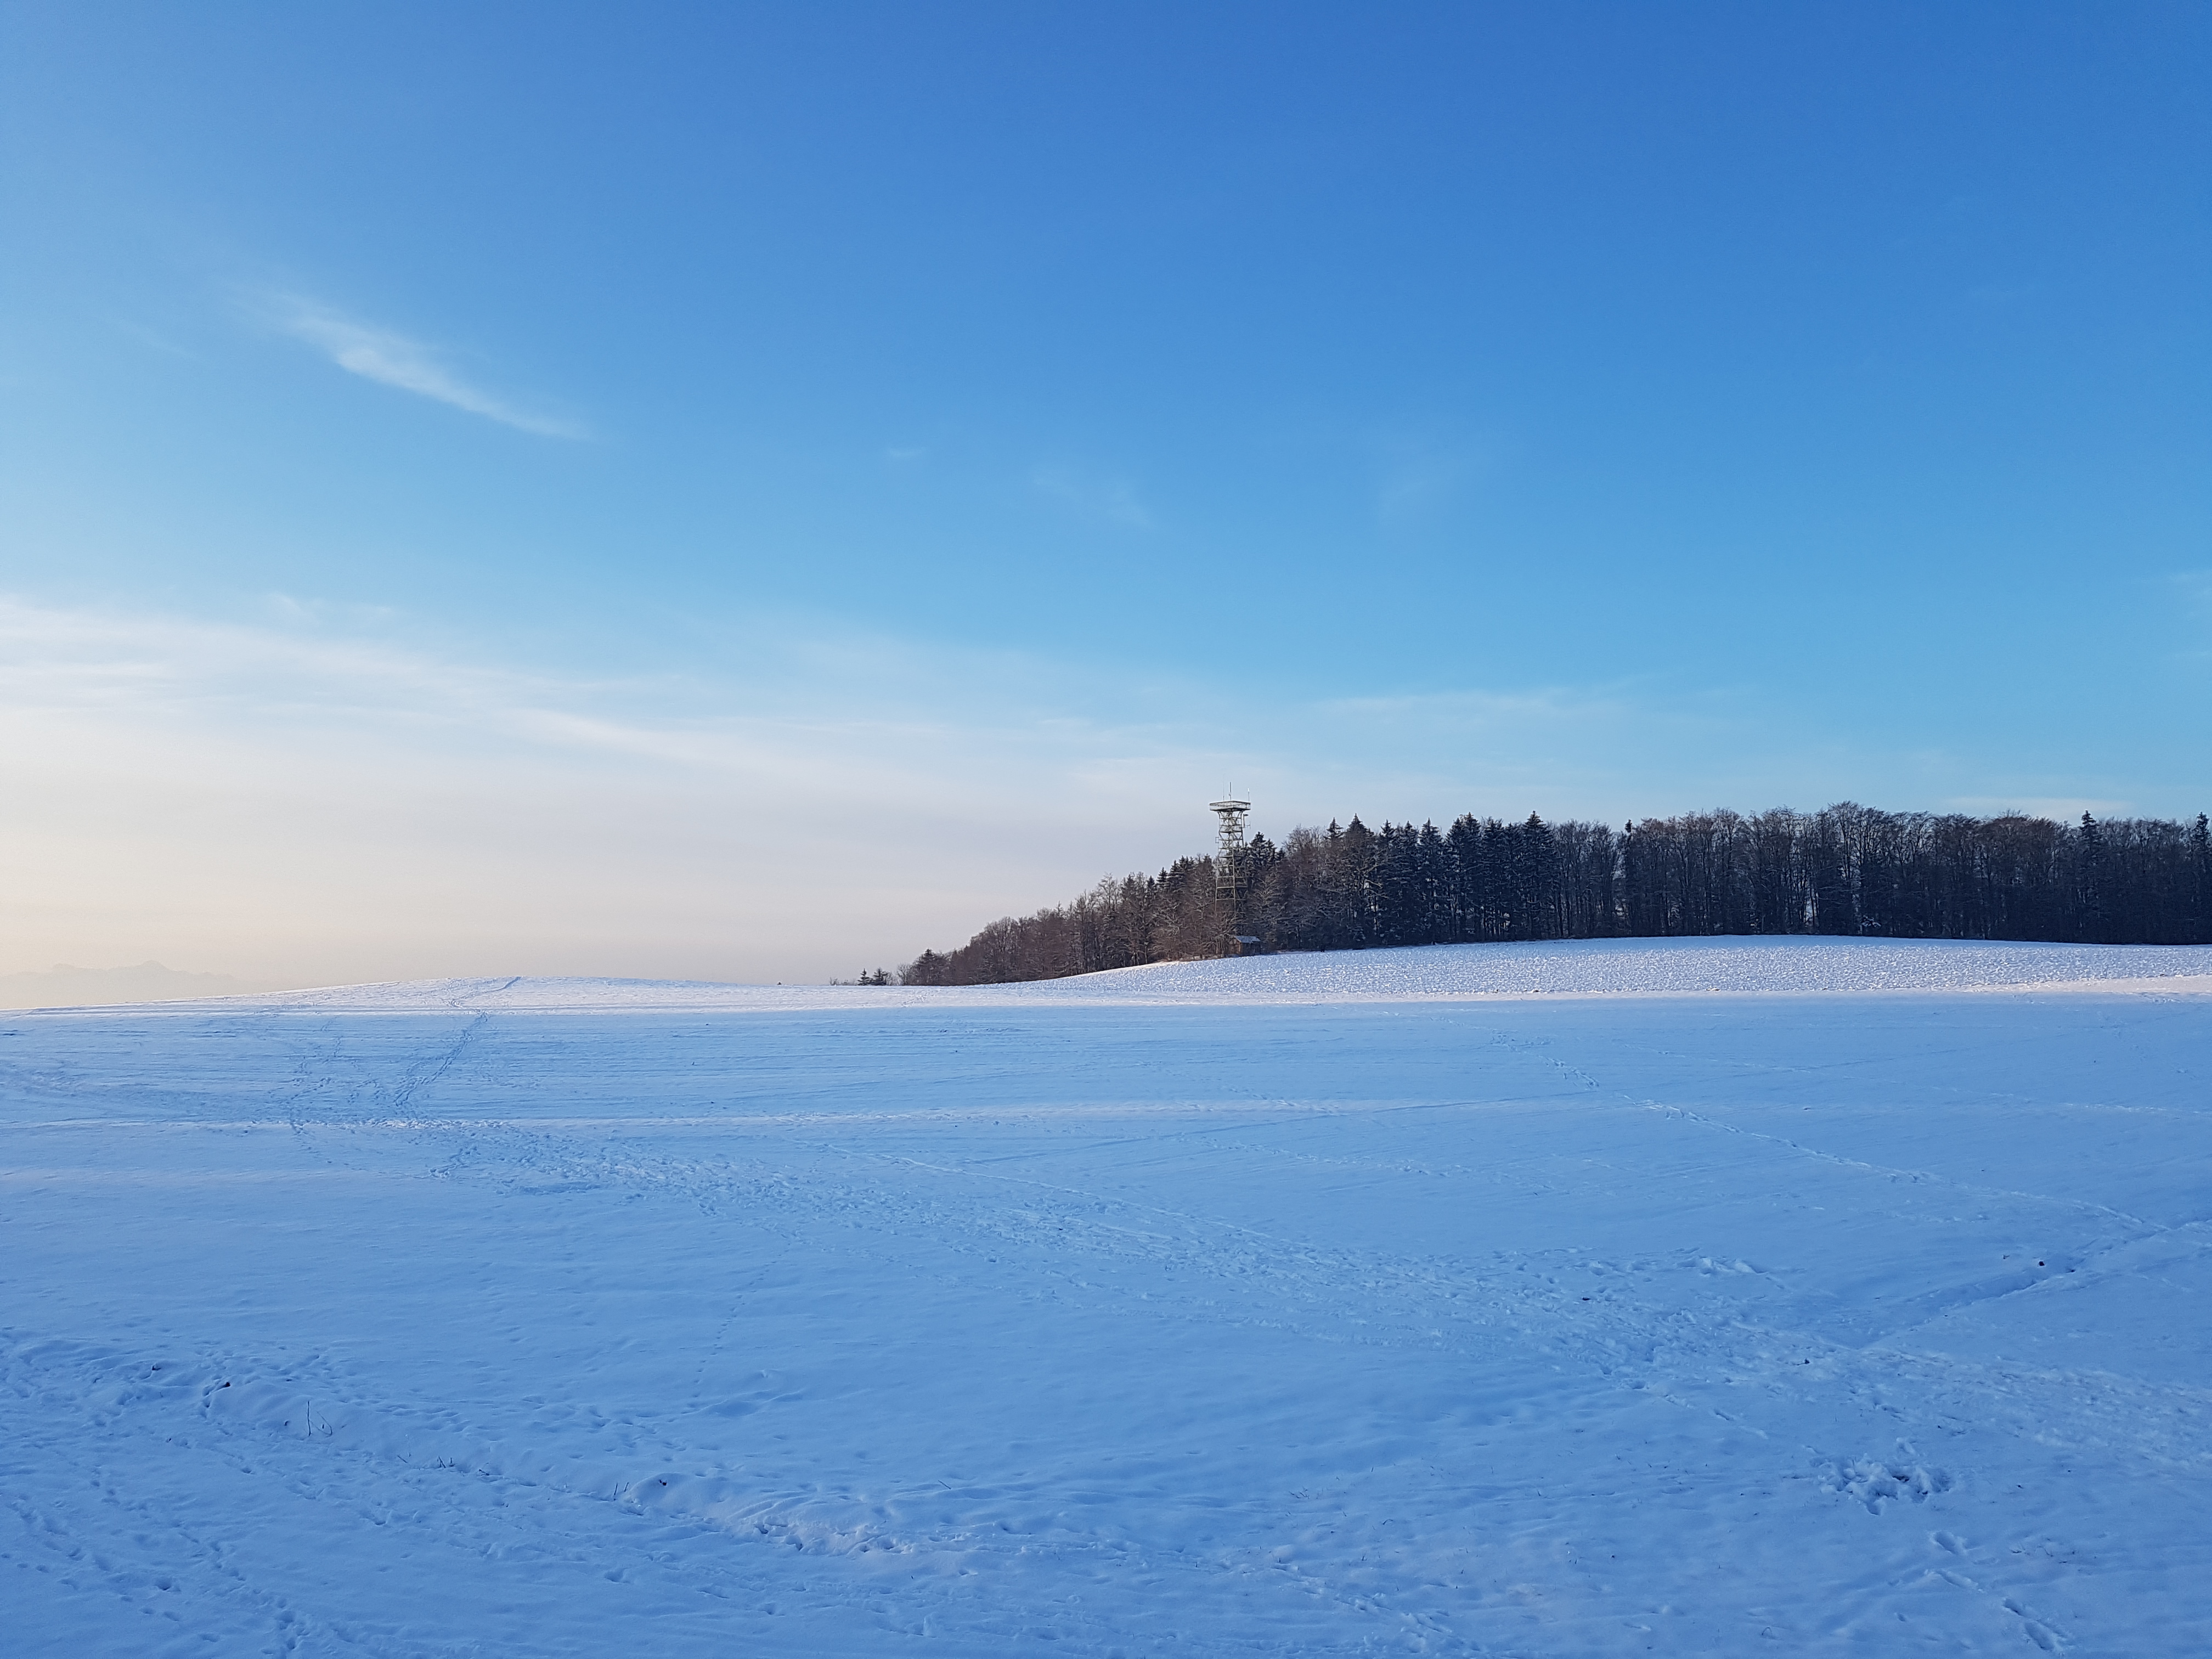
{"points": [[748, 494]]}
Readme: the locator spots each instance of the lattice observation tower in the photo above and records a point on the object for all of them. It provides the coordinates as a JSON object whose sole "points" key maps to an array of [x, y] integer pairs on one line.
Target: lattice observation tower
{"points": [[1229, 869]]}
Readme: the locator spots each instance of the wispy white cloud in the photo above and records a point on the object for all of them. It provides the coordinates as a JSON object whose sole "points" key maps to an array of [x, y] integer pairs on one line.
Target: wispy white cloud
{"points": [[393, 359], [1113, 499], [1421, 478], [2195, 588], [155, 340], [315, 796], [313, 793], [289, 610], [316, 793]]}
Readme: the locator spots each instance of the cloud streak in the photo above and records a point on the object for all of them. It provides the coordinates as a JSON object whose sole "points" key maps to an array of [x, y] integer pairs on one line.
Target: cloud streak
{"points": [[1110, 499], [392, 359], [322, 799], [307, 803]]}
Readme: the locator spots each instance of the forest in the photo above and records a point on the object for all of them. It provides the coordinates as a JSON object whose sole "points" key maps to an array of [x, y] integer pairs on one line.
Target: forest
{"points": [[1847, 870]]}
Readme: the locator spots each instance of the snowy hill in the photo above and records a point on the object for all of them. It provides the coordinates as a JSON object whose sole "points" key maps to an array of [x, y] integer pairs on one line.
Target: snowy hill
{"points": [[1709, 1296], [1585, 967]]}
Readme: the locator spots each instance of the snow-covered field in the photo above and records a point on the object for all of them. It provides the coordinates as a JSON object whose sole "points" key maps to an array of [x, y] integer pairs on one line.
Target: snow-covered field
{"points": [[1719, 1298]]}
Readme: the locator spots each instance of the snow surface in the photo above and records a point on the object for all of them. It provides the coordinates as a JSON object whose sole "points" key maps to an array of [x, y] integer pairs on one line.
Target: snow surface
{"points": [[1573, 967], [1721, 1297]]}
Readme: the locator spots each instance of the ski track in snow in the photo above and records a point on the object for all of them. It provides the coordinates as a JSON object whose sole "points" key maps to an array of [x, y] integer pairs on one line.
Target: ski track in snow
{"points": [[1705, 1296]]}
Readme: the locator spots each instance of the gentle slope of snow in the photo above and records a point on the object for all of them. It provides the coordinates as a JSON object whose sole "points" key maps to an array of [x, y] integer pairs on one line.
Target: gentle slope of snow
{"points": [[1574, 967], [1522, 1300]]}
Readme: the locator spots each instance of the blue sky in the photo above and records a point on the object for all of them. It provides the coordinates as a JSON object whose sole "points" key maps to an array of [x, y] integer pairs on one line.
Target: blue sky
{"points": [[753, 492]]}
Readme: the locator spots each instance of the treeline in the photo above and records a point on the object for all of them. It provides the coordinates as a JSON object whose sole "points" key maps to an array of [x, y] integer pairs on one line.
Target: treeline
{"points": [[1848, 870]]}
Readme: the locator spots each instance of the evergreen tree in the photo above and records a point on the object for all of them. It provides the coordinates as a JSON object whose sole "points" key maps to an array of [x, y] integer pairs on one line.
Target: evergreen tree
{"points": [[1846, 870]]}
